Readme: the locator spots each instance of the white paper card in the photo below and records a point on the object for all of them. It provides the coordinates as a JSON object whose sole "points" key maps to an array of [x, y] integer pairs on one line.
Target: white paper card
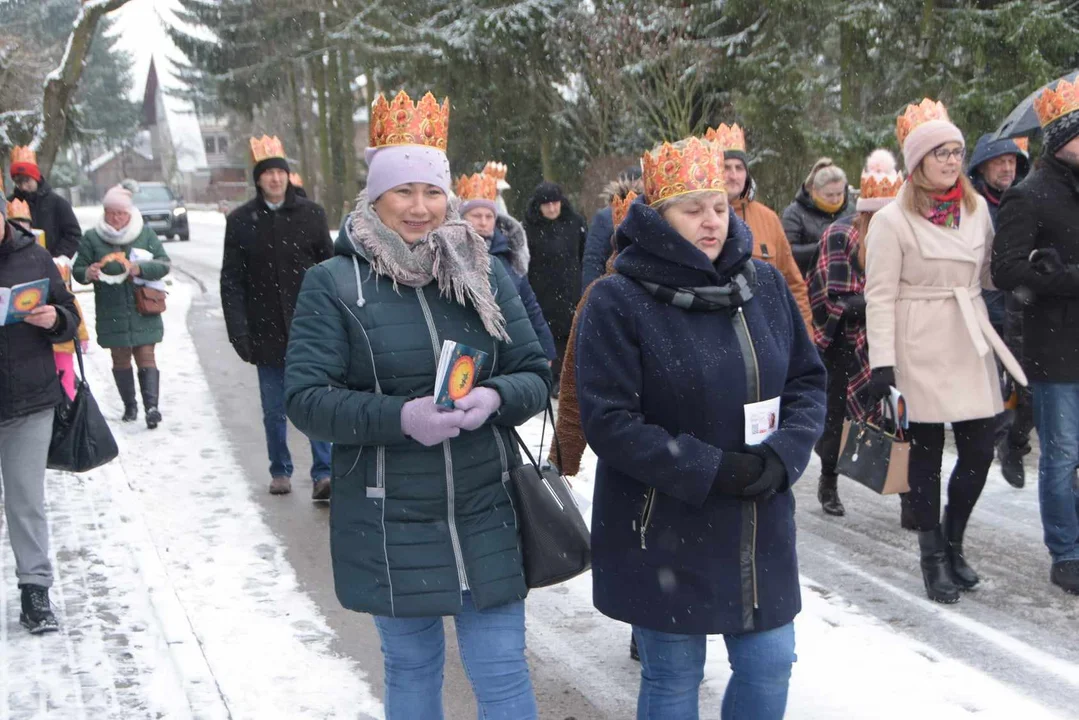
{"points": [[762, 419]]}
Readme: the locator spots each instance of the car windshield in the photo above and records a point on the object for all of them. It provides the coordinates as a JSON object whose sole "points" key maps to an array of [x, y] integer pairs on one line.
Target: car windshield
{"points": [[153, 194]]}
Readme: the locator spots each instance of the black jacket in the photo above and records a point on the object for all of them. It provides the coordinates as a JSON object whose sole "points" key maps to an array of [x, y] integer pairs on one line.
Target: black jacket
{"points": [[267, 253], [805, 223], [53, 214], [1039, 213], [28, 381], [556, 247], [597, 248], [510, 246]]}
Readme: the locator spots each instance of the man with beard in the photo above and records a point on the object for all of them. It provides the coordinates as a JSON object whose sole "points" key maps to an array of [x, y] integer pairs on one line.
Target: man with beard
{"points": [[48, 211], [1037, 247]]}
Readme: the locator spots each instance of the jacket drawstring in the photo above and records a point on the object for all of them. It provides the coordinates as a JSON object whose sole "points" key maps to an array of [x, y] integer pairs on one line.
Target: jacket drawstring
{"points": [[360, 301]]}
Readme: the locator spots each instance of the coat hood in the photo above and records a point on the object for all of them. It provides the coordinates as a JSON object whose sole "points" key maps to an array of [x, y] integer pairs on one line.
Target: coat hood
{"points": [[15, 239], [534, 216], [988, 148], [43, 189], [804, 199], [654, 251], [511, 242]]}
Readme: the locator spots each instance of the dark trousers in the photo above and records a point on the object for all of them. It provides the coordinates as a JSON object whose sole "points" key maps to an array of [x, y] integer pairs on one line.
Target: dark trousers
{"points": [[272, 394], [974, 443], [1014, 426], [839, 360]]}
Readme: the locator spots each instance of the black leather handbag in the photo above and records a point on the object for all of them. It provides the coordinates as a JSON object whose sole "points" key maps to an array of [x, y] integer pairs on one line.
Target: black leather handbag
{"points": [[81, 439], [876, 456], [555, 540]]}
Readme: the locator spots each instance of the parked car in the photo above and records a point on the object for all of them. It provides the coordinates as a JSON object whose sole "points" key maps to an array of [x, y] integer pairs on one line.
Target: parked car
{"points": [[163, 212]]}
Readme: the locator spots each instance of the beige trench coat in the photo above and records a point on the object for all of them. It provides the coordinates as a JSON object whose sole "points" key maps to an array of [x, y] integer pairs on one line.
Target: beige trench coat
{"points": [[925, 315]]}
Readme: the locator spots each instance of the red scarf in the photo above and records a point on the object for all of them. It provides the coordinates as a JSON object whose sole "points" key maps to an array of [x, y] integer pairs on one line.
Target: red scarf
{"points": [[945, 212]]}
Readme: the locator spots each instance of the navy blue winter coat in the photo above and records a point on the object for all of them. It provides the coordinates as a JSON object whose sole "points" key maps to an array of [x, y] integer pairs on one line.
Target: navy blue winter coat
{"points": [[510, 253], [597, 247], [661, 392]]}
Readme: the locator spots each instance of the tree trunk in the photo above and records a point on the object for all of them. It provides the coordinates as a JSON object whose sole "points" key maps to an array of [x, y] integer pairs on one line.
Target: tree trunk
{"points": [[318, 75], [297, 126], [337, 140], [61, 83], [348, 126]]}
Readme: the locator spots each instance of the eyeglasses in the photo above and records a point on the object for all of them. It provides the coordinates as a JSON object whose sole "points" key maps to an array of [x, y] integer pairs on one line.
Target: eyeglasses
{"points": [[943, 154]]}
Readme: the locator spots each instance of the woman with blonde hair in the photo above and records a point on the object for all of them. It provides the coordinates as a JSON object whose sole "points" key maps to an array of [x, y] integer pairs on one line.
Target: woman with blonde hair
{"points": [[822, 199], [930, 336]]}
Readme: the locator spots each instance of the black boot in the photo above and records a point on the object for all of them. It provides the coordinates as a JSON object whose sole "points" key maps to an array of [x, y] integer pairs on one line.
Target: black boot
{"points": [[828, 494], [962, 574], [36, 615], [633, 654], [125, 383], [906, 514], [150, 382], [938, 584], [1011, 462]]}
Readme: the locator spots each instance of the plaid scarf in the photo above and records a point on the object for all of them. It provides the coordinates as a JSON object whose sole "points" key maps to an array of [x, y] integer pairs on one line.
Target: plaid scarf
{"points": [[945, 213], [708, 298], [837, 275]]}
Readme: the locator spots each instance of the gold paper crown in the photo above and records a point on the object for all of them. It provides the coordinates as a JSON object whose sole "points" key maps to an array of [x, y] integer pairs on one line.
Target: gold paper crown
{"points": [[296, 179], [728, 137], [879, 185], [916, 115], [1023, 144], [403, 123], [265, 147], [1054, 103], [480, 186], [620, 207], [496, 170], [22, 154], [669, 171], [18, 210]]}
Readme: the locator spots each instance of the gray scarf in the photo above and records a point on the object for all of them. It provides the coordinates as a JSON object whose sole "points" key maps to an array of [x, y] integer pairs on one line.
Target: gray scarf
{"points": [[452, 255]]}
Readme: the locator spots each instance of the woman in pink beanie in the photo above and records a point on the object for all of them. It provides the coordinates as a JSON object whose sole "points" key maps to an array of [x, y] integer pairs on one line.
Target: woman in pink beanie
{"points": [[929, 335]]}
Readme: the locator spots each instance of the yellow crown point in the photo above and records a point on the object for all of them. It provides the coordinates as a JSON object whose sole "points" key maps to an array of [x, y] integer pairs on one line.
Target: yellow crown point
{"points": [[496, 170], [401, 122], [23, 154], [1023, 144], [915, 115], [296, 179], [1054, 103], [728, 137], [18, 210], [620, 207], [266, 147], [694, 167], [880, 185], [480, 186]]}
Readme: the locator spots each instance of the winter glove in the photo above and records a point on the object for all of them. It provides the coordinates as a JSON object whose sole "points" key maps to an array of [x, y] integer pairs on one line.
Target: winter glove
{"points": [[774, 477], [1046, 261], [737, 470], [855, 308], [242, 346], [480, 404], [429, 424], [880, 384]]}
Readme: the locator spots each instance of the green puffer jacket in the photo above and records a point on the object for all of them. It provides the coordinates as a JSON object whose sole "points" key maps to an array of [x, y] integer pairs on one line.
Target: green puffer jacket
{"points": [[411, 525], [118, 323]]}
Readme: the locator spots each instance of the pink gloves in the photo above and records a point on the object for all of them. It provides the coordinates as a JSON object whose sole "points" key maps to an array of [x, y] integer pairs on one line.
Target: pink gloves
{"points": [[478, 405], [429, 424]]}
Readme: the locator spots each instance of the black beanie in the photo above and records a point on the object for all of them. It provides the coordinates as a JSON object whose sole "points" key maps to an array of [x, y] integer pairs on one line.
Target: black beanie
{"points": [[547, 192], [268, 164], [1061, 131]]}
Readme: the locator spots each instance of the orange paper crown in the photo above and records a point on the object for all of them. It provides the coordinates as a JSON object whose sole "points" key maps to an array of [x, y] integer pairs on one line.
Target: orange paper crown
{"points": [[669, 171], [23, 154], [1023, 144], [728, 137], [296, 179], [916, 115], [265, 147], [496, 170], [877, 185], [18, 210], [620, 207], [480, 186], [403, 123], [1054, 103]]}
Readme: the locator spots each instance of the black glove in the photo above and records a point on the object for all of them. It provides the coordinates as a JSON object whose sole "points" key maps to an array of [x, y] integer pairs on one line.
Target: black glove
{"points": [[855, 307], [737, 470], [880, 384], [242, 346], [774, 477], [1046, 261]]}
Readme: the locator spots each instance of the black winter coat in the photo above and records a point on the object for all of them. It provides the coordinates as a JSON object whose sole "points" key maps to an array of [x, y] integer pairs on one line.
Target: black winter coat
{"points": [[597, 248], [28, 380], [53, 214], [805, 224], [1039, 213], [267, 253], [556, 247], [510, 246]]}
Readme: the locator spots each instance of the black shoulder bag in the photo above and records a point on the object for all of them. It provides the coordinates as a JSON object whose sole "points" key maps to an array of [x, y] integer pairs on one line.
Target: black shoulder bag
{"points": [[81, 439]]}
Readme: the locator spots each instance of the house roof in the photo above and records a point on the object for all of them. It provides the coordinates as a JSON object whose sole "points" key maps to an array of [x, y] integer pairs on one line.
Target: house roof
{"points": [[103, 160], [179, 117]]}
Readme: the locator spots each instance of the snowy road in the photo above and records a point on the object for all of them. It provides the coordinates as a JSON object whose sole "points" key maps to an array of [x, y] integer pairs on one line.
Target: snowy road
{"points": [[869, 644]]}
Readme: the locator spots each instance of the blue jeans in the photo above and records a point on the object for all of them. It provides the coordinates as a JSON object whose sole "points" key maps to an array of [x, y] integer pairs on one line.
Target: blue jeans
{"points": [[672, 668], [1056, 415], [492, 645], [272, 392]]}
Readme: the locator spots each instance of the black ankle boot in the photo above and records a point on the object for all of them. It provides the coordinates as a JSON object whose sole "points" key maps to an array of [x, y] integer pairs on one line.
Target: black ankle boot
{"points": [[828, 495], [963, 575], [125, 383], [150, 382], [906, 514], [938, 583]]}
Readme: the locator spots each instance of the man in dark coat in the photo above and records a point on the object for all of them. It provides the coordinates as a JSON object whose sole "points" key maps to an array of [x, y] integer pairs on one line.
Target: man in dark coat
{"points": [[48, 211], [29, 393], [1037, 248], [556, 238], [597, 246], [270, 242], [995, 166]]}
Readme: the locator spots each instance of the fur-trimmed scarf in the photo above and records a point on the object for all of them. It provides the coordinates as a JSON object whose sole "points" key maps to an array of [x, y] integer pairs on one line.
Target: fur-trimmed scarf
{"points": [[126, 235], [452, 255]]}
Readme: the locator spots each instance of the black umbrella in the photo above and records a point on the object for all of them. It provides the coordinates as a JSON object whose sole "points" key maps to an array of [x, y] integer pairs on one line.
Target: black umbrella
{"points": [[1023, 121]]}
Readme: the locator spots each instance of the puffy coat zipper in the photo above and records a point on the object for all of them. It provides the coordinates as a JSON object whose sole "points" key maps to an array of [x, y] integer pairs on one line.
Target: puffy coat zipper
{"points": [[748, 552]]}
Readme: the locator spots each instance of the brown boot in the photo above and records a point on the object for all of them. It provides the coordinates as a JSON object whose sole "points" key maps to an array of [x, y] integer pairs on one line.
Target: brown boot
{"points": [[280, 485], [321, 490]]}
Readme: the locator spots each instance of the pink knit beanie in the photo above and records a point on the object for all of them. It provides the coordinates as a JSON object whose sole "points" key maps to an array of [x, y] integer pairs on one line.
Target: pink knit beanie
{"points": [[927, 136], [119, 198]]}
